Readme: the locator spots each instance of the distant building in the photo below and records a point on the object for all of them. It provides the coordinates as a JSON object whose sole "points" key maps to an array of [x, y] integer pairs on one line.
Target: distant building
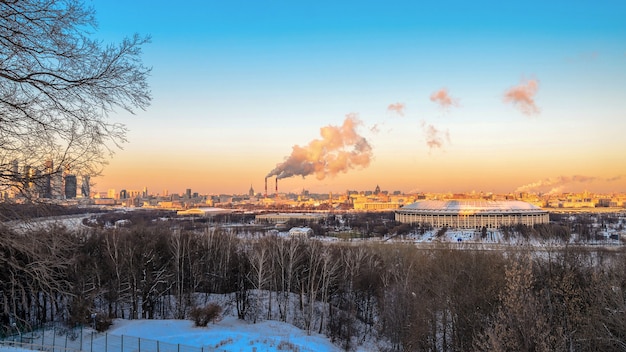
{"points": [[284, 217], [203, 211], [85, 190], [46, 182], [57, 185], [104, 201], [301, 232], [70, 186], [472, 213], [376, 205]]}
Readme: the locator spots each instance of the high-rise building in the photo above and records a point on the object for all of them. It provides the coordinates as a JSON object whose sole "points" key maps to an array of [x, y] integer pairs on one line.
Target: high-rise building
{"points": [[57, 185], [26, 177], [46, 180], [84, 187], [15, 168], [70, 186]]}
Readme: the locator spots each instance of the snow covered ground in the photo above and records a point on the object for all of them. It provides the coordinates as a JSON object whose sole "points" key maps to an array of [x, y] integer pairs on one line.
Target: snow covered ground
{"points": [[12, 349], [229, 334], [69, 221]]}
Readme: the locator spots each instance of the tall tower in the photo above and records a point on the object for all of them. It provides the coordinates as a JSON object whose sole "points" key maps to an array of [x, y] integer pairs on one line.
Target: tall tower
{"points": [[70, 186], [84, 187], [15, 170], [26, 177], [46, 182]]}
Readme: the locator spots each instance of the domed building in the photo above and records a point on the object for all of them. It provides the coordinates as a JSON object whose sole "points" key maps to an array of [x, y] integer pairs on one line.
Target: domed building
{"points": [[471, 213]]}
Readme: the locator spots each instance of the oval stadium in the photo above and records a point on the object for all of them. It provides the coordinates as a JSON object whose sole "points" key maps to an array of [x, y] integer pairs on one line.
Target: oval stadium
{"points": [[471, 213]]}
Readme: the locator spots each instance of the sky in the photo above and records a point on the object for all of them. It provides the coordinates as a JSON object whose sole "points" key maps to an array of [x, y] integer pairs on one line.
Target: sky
{"points": [[328, 96]]}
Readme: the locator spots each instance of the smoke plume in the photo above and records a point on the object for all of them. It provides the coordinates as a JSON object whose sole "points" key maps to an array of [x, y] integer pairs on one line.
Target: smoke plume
{"points": [[616, 178], [444, 99], [398, 108], [523, 96], [557, 184], [435, 138], [340, 149]]}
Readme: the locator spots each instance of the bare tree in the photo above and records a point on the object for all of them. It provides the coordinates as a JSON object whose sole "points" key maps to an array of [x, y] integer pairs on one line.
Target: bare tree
{"points": [[33, 274], [328, 271], [311, 283], [57, 88], [259, 259], [288, 256], [520, 324], [180, 246]]}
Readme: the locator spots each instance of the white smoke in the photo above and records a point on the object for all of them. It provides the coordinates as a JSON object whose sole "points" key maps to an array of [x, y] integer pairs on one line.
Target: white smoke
{"points": [[340, 149]]}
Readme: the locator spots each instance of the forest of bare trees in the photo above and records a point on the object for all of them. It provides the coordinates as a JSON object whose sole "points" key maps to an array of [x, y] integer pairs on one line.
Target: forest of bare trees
{"points": [[404, 298]]}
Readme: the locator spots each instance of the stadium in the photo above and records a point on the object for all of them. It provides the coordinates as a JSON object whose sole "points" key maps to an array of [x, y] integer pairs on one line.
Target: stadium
{"points": [[471, 213]]}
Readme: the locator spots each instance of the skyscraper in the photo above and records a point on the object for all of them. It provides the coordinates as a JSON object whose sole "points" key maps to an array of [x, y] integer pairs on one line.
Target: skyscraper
{"points": [[46, 181], [57, 185], [84, 187], [70, 186]]}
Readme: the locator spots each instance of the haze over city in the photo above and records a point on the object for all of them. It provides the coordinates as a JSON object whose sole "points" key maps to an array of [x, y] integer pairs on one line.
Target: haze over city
{"points": [[432, 97]]}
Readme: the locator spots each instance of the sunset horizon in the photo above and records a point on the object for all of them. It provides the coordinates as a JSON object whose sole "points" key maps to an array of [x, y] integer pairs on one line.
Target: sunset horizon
{"points": [[487, 97]]}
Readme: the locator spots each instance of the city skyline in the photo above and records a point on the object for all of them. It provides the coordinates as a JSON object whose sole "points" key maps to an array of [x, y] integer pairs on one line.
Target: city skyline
{"points": [[453, 97]]}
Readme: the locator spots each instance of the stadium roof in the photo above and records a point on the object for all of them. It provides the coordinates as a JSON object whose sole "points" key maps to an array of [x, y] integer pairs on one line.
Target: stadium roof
{"points": [[471, 206]]}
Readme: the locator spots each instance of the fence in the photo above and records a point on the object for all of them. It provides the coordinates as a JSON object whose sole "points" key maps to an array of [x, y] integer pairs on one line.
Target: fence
{"points": [[73, 340]]}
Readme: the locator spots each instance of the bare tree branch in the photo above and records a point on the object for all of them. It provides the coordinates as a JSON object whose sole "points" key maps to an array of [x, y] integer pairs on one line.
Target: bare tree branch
{"points": [[57, 89]]}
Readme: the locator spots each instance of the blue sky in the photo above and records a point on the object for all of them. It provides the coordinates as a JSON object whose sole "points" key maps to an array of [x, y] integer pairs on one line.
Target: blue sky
{"points": [[236, 84]]}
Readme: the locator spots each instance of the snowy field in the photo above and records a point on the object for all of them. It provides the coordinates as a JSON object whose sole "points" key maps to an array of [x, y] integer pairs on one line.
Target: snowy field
{"points": [[74, 222], [229, 334]]}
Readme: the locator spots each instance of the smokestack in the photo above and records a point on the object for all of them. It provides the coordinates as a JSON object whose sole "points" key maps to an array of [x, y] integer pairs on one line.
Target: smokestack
{"points": [[266, 187], [276, 185]]}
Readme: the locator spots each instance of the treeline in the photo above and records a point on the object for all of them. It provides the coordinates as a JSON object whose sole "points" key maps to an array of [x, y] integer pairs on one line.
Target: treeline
{"points": [[404, 298]]}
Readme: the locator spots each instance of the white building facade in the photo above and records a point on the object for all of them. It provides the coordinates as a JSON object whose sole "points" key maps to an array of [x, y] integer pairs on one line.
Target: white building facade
{"points": [[471, 213]]}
